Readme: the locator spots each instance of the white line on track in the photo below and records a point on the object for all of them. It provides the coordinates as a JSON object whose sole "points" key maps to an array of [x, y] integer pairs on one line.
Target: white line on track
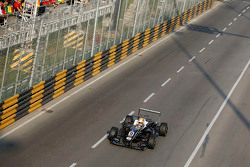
{"points": [[73, 165], [230, 23], [85, 86], [180, 69], [149, 97], [224, 29], [235, 19], [99, 141], [202, 50], [239, 14], [216, 116], [218, 35], [190, 60], [131, 113], [248, 7], [210, 42], [167, 81], [244, 11]]}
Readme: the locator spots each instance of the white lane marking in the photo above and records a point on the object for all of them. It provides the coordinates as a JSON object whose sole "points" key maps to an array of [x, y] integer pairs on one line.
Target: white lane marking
{"points": [[216, 116], [239, 15], [224, 29], [73, 165], [248, 7], [244, 11], [85, 86], [235, 19], [180, 69], [149, 97], [167, 81], [190, 60], [217, 36], [131, 113], [230, 23], [210, 42], [99, 141], [202, 50]]}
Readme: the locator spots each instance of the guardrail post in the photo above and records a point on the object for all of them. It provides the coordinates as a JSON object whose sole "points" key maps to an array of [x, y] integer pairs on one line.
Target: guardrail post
{"points": [[136, 15], [96, 20], [5, 68]]}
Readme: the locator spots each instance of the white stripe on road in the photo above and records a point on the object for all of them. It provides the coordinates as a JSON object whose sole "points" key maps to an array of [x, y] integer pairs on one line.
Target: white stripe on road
{"points": [[235, 19], [230, 23], [248, 7], [131, 113], [217, 36], [85, 86], [73, 165], [224, 29], [149, 97], [216, 116], [244, 11], [202, 50], [210, 42], [99, 141], [167, 81], [180, 69], [239, 15], [190, 60]]}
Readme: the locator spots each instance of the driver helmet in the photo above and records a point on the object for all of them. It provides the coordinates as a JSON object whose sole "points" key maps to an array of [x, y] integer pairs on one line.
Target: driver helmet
{"points": [[141, 121]]}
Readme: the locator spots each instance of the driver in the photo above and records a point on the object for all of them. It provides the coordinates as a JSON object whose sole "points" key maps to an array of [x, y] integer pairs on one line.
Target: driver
{"points": [[140, 123]]}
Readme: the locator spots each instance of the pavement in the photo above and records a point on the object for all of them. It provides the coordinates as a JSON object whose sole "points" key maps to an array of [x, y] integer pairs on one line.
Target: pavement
{"points": [[198, 78]]}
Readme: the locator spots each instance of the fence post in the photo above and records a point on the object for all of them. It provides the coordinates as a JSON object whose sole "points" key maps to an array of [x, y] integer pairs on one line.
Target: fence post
{"points": [[136, 15], [5, 68], [36, 51], [126, 5], [117, 21], [96, 20]]}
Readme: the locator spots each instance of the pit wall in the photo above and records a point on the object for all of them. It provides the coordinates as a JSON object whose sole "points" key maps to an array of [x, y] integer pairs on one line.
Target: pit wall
{"points": [[24, 103]]}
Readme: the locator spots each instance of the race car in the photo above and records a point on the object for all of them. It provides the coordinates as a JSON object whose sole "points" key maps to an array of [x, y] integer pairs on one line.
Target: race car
{"points": [[138, 131]]}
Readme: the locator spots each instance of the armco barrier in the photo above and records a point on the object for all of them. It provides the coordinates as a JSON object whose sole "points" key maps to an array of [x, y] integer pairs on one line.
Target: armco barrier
{"points": [[20, 105]]}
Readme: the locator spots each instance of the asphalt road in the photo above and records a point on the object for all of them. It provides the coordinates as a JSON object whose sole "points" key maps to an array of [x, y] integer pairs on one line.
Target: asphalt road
{"points": [[187, 76]]}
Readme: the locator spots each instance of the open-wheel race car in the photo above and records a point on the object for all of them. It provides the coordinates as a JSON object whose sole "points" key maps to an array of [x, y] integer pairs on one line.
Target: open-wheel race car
{"points": [[139, 131]]}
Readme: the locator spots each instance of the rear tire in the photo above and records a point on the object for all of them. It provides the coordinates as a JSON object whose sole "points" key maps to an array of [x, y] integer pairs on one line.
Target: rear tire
{"points": [[151, 142], [163, 129], [113, 133]]}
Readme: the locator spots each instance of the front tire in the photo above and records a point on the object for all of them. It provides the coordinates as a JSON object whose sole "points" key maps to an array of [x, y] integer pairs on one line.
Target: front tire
{"points": [[113, 133], [163, 129]]}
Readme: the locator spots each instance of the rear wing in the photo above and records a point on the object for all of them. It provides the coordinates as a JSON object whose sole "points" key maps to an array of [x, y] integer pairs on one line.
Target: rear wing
{"points": [[148, 110]]}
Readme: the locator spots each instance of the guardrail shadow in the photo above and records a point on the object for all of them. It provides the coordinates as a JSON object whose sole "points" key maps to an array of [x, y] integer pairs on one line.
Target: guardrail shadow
{"points": [[211, 30], [239, 114]]}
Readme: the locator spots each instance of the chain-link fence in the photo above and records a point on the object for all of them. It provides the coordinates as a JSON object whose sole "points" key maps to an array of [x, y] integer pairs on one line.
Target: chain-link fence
{"points": [[35, 50]]}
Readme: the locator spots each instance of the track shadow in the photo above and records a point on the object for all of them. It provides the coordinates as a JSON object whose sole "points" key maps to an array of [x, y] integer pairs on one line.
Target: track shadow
{"points": [[212, 30], [239, 114], [7, 146]]}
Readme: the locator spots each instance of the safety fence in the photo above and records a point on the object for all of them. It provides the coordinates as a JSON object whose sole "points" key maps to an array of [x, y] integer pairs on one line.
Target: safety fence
{"points": [[21, 104]]}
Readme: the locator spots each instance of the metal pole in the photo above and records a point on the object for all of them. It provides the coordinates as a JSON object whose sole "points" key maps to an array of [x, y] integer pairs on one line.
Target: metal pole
{"points": [[85, 40], [145, 16], [117, 21], [18, 73], [152, 10], [100, 47], [4, 70], [126, 6], [65, 53], [35, 55], [136, 15], [163, 11], [44, 57], [96, 20], [109, 31]]}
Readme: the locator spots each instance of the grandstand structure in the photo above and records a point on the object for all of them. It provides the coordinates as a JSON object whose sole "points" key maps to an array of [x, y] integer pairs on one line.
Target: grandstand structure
{"points": [[37, 47]]}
